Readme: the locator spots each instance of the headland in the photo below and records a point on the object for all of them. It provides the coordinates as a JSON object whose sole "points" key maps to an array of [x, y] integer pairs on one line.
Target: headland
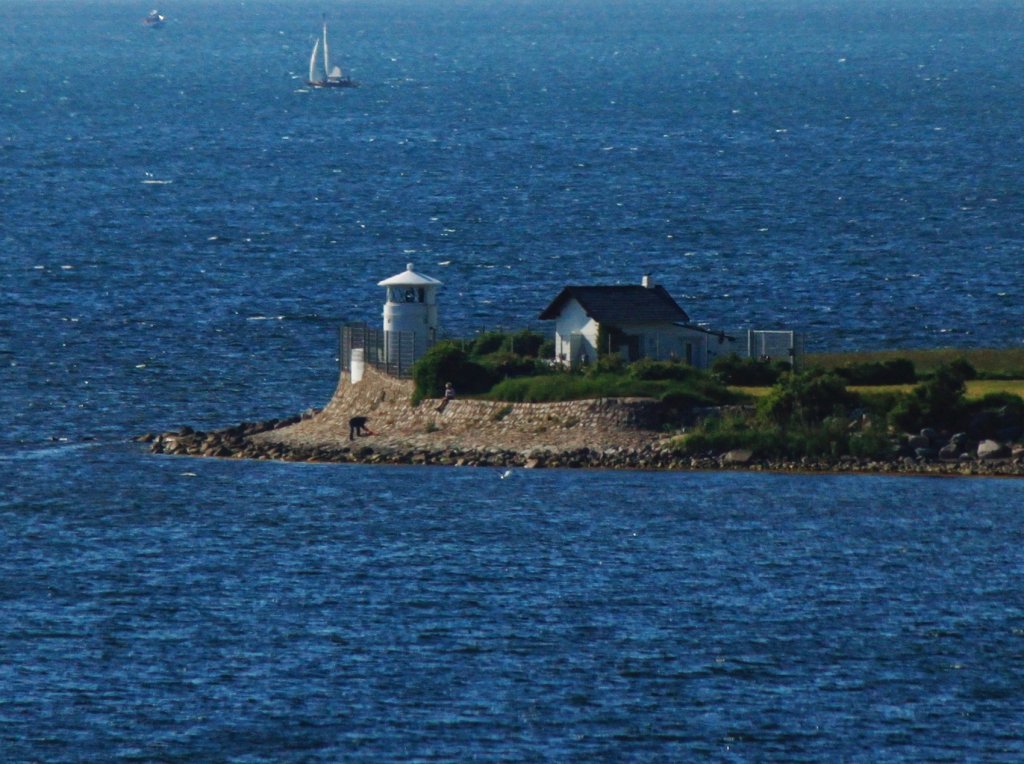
{"points": [[603, 433]]}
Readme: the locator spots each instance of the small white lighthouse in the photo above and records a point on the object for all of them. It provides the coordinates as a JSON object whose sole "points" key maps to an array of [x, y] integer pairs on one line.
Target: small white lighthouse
{"points": [[410, 314]]}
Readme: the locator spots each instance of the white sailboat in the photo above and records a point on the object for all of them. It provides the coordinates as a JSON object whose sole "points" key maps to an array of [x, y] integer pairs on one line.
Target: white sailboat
{"points": [[332, 77]]}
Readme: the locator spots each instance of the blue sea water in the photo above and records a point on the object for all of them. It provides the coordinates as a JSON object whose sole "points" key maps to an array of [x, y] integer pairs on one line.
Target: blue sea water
{"points": [[183, 225]]}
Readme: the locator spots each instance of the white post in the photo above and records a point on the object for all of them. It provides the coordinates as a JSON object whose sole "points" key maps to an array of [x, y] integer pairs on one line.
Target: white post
{"points": [[357, 364]]}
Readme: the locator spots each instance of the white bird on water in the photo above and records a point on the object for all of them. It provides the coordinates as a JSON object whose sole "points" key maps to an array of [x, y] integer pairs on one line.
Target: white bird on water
{"points": [[505, 474]]}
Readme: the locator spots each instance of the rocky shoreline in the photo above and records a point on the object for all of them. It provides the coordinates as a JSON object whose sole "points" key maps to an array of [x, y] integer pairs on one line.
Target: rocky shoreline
{"points": [[620, 434], [238, 442]]}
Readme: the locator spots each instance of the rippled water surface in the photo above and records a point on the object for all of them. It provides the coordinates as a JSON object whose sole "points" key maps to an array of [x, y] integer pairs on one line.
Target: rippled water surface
{"points": [[183, 225], [220, 610]]}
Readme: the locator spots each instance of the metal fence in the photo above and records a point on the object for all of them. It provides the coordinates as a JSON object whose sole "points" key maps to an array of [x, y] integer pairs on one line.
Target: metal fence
{"points": [[776, 346], [393, 353]]}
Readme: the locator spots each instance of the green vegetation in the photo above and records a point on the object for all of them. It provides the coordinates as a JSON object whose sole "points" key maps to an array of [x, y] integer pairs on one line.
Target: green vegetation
{"points": [[817, 414], [509, 367], [895, 371], [830, 438], [809, 414], [844, 404], [474, 367], [989, 363], [679, 387], [748, 372]]}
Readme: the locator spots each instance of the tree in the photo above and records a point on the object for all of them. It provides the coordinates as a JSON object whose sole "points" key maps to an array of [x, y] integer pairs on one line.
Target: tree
{"points": [[937, 402], [806, 399], [447, 362]]}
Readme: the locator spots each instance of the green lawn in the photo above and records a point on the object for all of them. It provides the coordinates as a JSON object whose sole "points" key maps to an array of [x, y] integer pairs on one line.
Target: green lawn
{"points": [[1008, 363], [976, 388]]}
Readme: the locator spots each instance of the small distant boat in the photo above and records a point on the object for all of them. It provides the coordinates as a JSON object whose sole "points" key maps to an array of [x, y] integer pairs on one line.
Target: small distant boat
{"points": [[333, 78], [154, 19]]}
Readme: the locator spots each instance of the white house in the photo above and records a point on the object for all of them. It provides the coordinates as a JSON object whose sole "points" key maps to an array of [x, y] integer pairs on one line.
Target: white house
{"points": [[640, 321]]}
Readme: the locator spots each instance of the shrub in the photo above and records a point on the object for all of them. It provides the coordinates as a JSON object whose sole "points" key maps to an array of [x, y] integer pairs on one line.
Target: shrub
{"points": [[964, 368], [749, 372], [487, 343], [523, 343], [702, 390], [529, 344], [720, 434], [871, 443], [806, 399], [997, 415], [607, 364], [880, 403], [645, 368], [504, 364], [898, 371], [936, 402], [998, 401], [447, 362], [830, 438]]}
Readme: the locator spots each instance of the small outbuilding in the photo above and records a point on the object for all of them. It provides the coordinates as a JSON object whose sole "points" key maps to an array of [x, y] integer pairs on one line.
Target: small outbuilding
{"points": [[634, 322]]}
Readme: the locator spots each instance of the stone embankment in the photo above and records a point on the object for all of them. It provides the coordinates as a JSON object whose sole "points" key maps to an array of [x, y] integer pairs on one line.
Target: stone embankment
{"points": [[603, 434]]}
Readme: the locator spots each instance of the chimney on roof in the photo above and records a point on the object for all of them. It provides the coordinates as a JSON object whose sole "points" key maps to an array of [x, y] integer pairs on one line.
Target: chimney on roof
{"points": [[646, 282]]}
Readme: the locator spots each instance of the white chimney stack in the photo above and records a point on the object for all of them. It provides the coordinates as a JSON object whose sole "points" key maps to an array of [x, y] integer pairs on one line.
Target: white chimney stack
{"points": [[646, 281]]}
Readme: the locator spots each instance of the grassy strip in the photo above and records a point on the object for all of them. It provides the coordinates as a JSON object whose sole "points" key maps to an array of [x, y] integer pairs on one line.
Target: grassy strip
{"points": [[976, 388], [1003, 363], [697, 390]]}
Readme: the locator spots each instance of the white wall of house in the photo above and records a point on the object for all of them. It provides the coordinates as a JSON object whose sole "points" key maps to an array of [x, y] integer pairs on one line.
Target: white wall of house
{"points": [[665, 342], [574, 321]]}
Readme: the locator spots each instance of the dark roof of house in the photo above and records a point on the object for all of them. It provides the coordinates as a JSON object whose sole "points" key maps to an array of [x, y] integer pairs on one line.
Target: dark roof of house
{"points": [[609, 304]]}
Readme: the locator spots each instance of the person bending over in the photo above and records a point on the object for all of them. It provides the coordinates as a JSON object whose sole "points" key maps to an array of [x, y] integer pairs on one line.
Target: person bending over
{"points": [[357, 427]]}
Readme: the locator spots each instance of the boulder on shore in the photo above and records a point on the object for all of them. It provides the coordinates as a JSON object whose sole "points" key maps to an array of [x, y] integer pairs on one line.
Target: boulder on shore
{"points": [[992, 449]]}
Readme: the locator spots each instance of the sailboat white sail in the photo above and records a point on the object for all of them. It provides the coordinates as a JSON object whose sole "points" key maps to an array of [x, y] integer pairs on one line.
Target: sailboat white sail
{"points": [[333, 77], [312, 61]]}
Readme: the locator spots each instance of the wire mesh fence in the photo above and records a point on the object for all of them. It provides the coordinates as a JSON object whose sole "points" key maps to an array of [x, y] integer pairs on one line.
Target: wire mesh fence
{"points": [[393, 353]]}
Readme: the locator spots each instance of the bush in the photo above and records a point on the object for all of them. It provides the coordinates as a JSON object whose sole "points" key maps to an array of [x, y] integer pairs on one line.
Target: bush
{"points": [[645, 368], [964, 368], [1007, 401], [606, 365], [997, 415], [899, 371], [524, 343], [806, 399], [504, 364], [676, 395], [830, 438], [487, 343], [937, 402], [871, 443], [529, 344], [447, 362], [748, 372], [550, 388]]}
